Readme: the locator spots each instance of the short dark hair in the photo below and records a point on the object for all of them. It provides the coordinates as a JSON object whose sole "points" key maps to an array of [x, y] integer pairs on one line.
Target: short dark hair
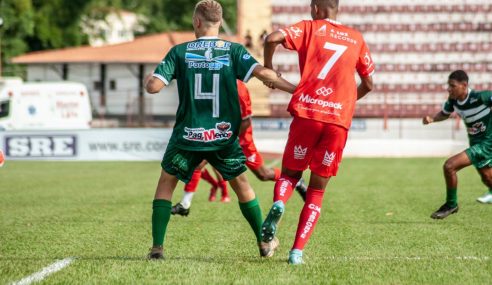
{"points": [[333, 4], [459, 75]]}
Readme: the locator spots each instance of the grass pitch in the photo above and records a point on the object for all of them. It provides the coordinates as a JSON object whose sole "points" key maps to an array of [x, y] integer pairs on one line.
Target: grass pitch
{"points": [[374, 228]]}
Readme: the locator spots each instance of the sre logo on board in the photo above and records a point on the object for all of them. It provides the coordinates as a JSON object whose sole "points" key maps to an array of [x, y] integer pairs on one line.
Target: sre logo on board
{"points": [[41, 146]]}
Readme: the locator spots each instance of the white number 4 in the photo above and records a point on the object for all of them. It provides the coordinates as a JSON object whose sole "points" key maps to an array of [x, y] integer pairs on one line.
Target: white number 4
{"points": [[214, 95], [339, 50]]}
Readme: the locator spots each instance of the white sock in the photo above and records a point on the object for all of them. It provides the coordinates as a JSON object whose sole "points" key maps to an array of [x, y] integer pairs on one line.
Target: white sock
{"points": [[186, 200]]}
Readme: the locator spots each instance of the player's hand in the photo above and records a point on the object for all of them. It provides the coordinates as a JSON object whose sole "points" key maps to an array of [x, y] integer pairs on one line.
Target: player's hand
{"points": [[427, 120], [269, 84]]}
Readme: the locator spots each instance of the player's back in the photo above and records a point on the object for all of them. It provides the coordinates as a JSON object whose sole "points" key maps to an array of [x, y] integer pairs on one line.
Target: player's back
{"points": [[206, 70], [329, 55]]}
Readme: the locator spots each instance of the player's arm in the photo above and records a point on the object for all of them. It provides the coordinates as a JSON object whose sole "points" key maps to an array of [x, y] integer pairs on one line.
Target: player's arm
{"points": [[273, 79], [245, 124], [364, 87], [439, 116], [153, 84], [271, 43]]}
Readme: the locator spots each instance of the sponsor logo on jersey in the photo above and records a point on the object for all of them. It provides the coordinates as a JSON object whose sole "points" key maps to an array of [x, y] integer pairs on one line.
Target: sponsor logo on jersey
{"points": [[312, 218], [476, 128], [324, 91], [473, 100], [343, 36], [41, 146], [202, 45], [207, 60], [246, 56], [305, 98], [328, 159], [321, 32], [252, 158], [220, 132], [294, 32], [299, 152]]}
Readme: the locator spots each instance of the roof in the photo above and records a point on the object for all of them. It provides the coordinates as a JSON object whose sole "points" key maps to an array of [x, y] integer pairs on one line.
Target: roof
{"points": [[144, 49]]}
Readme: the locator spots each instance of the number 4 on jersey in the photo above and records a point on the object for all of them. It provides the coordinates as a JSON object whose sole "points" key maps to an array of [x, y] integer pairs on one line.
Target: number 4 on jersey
{"points": [[339, 50], [214, 95]]}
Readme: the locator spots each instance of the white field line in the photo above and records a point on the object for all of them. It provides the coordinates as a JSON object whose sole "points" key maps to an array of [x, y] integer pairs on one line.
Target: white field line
{"points": [[370, 258], [48, 270], [273, 163]]}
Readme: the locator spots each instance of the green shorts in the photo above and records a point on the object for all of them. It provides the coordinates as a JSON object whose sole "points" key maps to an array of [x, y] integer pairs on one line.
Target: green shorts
{"points": [[229, 161], [480, 154]]}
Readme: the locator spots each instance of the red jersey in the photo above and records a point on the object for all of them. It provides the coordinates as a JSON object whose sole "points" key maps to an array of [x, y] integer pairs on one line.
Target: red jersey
{"points": [[329, 55], [245, 104]]}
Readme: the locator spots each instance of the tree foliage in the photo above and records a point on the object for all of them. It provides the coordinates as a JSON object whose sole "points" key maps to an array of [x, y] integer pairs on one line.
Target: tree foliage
{"points": [[32, 25]]}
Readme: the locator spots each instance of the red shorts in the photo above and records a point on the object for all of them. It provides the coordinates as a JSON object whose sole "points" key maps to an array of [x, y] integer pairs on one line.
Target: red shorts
{"points": [[253, 157], [315, 144]]}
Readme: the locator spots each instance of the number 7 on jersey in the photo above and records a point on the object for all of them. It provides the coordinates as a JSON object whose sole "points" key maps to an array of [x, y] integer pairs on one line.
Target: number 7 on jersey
{"points": [[339, 50]]}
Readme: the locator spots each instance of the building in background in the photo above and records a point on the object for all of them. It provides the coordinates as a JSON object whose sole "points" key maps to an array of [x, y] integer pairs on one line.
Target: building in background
{"points": [[415, 45], [117, 26], [113, 75]]}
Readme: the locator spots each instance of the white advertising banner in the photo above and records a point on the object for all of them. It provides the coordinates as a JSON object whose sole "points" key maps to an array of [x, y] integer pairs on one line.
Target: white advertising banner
{"points": [[94, 144]]}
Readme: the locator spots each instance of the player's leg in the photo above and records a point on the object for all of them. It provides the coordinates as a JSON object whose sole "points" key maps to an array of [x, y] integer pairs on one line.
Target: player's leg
{"points": [[183, 207], [486, 175], [326, 159], [450, 170], [212, 181], [175, 165], [296, 157], [222, 184], [255, 162], [230, 163], [481, 156]]}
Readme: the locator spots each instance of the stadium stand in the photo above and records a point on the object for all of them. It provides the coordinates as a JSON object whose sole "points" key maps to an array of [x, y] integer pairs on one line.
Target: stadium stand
{"points": [[415, 44]]}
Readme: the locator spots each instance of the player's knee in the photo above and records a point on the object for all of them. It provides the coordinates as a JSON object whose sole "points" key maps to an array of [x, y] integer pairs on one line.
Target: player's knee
{"points": [[487, 179], [448, 167]]}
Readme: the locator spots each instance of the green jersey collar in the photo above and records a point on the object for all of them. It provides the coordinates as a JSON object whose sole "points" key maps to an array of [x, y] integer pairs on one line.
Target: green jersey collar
{"points": [[466, 99]]}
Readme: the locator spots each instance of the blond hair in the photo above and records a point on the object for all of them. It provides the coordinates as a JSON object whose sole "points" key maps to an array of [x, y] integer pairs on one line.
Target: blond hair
{"points": [[209, 11]]}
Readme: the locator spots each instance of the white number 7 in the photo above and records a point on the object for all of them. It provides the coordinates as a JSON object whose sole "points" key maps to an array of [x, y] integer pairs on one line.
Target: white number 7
{"points": [[339, 50], [214, 95]]}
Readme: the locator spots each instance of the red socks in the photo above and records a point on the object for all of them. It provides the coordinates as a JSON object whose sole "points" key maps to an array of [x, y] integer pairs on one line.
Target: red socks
{"points": [[277, 174], [207, 177], [284, 187], [309, 216], [223, 187], [193, 184]]}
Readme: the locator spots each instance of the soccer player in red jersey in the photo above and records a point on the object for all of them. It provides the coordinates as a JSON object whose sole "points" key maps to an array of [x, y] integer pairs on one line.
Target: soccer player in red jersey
{"points": [[254, 161], [322, 106]]}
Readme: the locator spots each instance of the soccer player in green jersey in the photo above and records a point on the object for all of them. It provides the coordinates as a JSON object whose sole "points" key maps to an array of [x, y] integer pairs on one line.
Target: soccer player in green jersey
{"points": [[474, 108], [208, 118]]}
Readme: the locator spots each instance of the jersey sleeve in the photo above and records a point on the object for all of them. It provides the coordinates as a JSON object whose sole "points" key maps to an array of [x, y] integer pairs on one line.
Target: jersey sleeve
{"points": [[166, 70], [365, 65], [294, 35], [243, 63], [447, 107], [486, 97], [244, 100]]}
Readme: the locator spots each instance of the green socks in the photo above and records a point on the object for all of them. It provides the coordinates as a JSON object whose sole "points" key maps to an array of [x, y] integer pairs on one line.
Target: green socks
{"points": [[252, 212], [452, 197], [490, 191], [161, 212]]}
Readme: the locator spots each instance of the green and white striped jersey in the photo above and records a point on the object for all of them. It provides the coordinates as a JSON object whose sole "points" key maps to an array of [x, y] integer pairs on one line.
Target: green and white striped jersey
{"points": [[475, 112], [206, 70]]}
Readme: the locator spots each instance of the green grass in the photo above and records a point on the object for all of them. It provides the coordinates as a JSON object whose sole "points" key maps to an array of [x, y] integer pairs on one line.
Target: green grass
{"points": [[374, 228]]}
